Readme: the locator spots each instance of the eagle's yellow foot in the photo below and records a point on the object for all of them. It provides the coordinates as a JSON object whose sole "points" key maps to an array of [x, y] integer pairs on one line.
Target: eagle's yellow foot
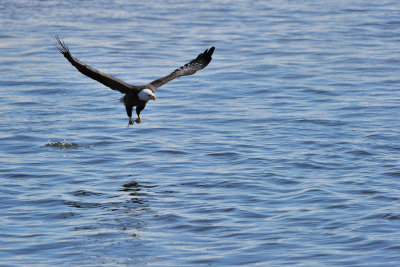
{"points": [[130, 122], [138, 120]]}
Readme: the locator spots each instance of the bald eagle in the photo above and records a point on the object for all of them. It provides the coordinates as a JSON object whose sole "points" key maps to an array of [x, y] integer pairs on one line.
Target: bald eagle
{"points": [[135, 95]]}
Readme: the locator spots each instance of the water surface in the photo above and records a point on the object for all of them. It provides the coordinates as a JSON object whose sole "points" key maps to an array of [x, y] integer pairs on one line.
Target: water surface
{"points": [[284, 151]]}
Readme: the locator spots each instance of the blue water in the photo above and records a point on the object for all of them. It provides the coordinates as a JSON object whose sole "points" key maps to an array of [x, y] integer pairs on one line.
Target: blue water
{"points": [[284, 151]]}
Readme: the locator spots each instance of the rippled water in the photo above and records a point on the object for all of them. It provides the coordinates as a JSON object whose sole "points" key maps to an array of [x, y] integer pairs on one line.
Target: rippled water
{"points": [[284, 151]]}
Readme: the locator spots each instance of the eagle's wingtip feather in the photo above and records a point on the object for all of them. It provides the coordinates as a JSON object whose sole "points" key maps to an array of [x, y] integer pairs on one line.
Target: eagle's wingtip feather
{"points": [[62, 47]]}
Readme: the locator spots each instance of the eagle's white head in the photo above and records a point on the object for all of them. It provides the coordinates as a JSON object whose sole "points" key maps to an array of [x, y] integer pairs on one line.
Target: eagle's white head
{"points": [[146, 95]]}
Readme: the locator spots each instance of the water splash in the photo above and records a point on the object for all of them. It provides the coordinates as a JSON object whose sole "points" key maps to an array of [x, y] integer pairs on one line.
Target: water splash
{"points": [[63, 145]]}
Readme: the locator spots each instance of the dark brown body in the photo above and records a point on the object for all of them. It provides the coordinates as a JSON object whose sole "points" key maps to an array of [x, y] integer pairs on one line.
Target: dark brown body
{"points": [[132, 100]]}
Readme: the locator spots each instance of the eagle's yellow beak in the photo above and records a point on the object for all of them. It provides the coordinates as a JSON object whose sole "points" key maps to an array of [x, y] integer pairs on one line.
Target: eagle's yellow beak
{"points": [[153, 97]]}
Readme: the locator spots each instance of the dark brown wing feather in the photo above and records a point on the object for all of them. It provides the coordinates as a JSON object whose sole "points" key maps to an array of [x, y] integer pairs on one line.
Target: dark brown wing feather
{"points": [[200, 62], [107, 80]]}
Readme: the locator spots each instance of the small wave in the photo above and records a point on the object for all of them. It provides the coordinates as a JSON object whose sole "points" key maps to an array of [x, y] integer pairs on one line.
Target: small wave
{"points": [[322, 122], [168, 151], [222, 154], [85, 193]]}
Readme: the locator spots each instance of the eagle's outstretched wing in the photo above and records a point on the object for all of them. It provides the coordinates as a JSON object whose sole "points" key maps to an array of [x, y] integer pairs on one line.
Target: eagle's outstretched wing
{"points": [[107, 80], [200, 62]]}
